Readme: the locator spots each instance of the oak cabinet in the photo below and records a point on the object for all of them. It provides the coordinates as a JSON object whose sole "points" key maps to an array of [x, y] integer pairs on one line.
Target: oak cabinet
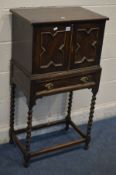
{"points": [[54, 50]]}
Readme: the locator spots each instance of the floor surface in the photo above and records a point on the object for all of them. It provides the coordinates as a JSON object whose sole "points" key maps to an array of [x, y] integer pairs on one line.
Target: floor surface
{"points": [[100, 159]]}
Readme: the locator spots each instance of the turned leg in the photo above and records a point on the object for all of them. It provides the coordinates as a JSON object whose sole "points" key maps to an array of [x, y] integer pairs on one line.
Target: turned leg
{"points": [[12, 111], [68, 118], [91, 115], [28, 138]]}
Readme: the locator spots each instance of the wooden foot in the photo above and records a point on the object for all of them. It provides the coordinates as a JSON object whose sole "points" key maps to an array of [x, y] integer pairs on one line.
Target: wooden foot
{"points": [[91, 115], [87, 143], [68, 118], [12, 111], [26, 161]]}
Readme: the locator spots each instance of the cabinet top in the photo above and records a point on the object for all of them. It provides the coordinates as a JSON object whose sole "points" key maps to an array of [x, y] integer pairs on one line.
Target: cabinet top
{"points": [[56, 14]]}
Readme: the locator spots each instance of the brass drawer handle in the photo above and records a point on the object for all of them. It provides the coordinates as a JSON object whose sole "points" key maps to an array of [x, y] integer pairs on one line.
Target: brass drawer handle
{"points": [[49, 86], [85, 79]]}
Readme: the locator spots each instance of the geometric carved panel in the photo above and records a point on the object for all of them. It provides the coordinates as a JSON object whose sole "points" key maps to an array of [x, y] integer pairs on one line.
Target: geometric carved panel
{"points": [[86, 45], [52, 51]]}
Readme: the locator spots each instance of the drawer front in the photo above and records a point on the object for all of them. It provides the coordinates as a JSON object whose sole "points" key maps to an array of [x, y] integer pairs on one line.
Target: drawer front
{"points": [[51, 48], [66, 84], [86, 44]]}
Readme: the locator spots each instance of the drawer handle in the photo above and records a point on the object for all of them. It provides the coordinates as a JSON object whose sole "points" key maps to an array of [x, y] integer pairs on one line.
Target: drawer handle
{"points": [[85, 79], [49, 86]]}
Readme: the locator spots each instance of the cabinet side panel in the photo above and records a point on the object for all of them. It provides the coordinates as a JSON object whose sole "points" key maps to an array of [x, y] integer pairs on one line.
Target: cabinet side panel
{"points": [[22, 42], [21, 80]]}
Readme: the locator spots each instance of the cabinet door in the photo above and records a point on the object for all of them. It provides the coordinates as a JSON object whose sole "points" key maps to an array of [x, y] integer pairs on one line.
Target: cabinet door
{"points": [[51, 48], [86, 44]]}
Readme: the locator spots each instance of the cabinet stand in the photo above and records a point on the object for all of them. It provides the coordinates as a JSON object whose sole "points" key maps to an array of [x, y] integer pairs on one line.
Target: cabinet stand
{"points": [[54, 50], [25, 149]]}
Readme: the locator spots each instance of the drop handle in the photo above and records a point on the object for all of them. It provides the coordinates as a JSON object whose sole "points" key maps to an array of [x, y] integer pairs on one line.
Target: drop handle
{"points": [[84, 79], [49, 86]]}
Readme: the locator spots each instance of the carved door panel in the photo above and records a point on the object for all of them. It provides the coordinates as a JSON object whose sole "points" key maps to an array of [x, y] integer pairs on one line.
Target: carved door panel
{"points": [[52, 44], [86, 44]]}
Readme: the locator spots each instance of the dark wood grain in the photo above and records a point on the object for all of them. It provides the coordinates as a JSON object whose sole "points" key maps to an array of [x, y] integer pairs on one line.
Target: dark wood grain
{"points": [[54, 50], [12, 112], [90, 121], [57, 147], [41, 126], [68, 117], [86, 36], [28, 138], [57, 14], [51, 51], [64, 83], [22, 37]]}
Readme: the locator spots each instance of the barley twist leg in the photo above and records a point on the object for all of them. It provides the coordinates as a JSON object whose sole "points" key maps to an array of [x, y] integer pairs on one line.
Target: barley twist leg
{"points": [[90, 121], [28, 138], [68, 118], [12, 111]]}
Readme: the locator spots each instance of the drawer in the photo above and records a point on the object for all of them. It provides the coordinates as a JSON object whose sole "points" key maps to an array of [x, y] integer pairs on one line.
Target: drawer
{"points": [[66, 84], [51, 47], [86, 44]]}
